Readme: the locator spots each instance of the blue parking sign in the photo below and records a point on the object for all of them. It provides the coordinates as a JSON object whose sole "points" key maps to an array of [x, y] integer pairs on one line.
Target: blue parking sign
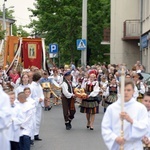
{"points": [[53, 48]]}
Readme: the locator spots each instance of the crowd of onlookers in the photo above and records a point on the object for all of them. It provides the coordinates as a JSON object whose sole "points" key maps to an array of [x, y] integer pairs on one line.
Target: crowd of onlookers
{"points": [[30, 90]]}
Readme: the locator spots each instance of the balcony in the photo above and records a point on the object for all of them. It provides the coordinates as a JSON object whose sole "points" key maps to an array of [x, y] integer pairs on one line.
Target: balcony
{"points": [[131, 30], [106, 36]]}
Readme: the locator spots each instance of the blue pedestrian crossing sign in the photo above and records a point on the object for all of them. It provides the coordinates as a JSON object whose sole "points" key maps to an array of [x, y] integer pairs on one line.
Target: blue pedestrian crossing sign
{"points": [[81, 44], [53, 48]]}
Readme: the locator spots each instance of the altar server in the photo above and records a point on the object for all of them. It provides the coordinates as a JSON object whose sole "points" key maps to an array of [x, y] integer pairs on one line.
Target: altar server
{"points": [[135, 121]]}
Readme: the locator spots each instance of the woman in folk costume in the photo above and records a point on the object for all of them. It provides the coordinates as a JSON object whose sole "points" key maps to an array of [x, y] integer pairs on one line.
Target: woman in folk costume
{"points": [[90, 104], [56, 88], [111, 93], [68, 100], [46, 86], [103, 85], [137, 77]]}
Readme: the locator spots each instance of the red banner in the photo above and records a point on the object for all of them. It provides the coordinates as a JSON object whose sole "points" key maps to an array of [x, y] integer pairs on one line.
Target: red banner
{"points": [[32, 53]]}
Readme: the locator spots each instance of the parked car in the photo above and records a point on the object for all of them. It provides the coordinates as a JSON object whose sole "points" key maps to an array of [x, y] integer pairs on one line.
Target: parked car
{"points": [[146, 79]]}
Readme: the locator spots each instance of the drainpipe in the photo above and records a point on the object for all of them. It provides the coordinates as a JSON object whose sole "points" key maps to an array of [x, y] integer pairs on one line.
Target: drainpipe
{"points": [[141, 20]]}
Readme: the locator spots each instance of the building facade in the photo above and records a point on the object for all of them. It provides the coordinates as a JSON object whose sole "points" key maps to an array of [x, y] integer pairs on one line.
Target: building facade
{"points": [[145, 37], [129, 23], [9, 23]]}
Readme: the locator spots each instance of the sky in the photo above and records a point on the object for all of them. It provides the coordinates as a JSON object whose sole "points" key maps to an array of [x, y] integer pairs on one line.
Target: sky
{"points": [[21, 12]]}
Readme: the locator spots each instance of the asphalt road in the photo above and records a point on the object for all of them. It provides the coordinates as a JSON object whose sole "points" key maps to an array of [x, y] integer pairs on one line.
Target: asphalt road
{"points": [[56, 137]]}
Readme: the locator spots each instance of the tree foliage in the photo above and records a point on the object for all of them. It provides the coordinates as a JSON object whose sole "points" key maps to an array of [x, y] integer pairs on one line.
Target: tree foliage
{"points": [[60, 21], [2, 33], [15, 29]]}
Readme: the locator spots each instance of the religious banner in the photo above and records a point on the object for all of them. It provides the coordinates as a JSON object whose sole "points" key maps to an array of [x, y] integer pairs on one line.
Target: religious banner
{"points": [[10, 49], [32, 52]]}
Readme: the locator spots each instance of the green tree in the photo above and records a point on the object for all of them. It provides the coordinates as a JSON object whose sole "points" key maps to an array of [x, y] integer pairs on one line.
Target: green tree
{"points": [[2, 32], [21, 32], [60, 21], [98, 19], [15, 29]]}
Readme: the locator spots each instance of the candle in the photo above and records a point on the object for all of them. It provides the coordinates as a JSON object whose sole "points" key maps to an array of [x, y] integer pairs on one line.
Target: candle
{"points": [[122, 88], [122, 104]]}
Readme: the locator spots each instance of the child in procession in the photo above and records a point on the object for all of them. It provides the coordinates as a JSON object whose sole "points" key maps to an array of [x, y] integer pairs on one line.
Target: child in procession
{"points": [[135, 121]]}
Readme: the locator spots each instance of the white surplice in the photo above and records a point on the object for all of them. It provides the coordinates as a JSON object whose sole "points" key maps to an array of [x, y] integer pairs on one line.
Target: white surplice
{"points": [[33, 103], [17, 120], [5, 119], [20, 88], [133, 133], [27, 124], [37, 93]]}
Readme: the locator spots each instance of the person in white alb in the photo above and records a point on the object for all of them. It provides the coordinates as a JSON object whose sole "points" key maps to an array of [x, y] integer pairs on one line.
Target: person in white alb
{"points": [[146, 102], [27, 125], [27, 92], [5, 118], [135, 119], [24, 82], [17, 119], [38, 96]]}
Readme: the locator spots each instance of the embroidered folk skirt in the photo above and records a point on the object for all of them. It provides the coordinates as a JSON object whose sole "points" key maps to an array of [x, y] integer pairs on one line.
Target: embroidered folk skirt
{"points": [[90, 106], [109, 100]]}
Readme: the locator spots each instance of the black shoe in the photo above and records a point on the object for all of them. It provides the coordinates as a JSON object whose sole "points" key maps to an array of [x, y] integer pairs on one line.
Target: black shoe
{"points": [[32, 142], [91, 128], [45, 108], [68, 127], [88, 126], [49, 108], [70, 124], [36, 138]]}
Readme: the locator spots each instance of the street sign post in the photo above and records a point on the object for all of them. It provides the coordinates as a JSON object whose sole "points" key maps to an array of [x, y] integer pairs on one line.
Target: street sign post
{"points": [[81, 44], [53, 51], [53, 48]]}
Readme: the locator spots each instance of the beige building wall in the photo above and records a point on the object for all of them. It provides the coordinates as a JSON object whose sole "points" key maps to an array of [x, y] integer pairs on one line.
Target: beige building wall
{"points": [[146, 16], [146, 29], [123, 51]]}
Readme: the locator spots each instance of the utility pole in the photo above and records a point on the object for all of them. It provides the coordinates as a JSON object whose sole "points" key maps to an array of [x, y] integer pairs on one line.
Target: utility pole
{"points": [[84, 32], [4, 18], [141, 24]]}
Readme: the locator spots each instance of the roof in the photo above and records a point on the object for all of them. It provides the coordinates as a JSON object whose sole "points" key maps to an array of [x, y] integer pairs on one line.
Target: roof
{"points": [[7, 20]]}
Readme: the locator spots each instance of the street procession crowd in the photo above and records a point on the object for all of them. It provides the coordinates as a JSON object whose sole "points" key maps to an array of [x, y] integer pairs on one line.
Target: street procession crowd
{"points": [[25, 94]]}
